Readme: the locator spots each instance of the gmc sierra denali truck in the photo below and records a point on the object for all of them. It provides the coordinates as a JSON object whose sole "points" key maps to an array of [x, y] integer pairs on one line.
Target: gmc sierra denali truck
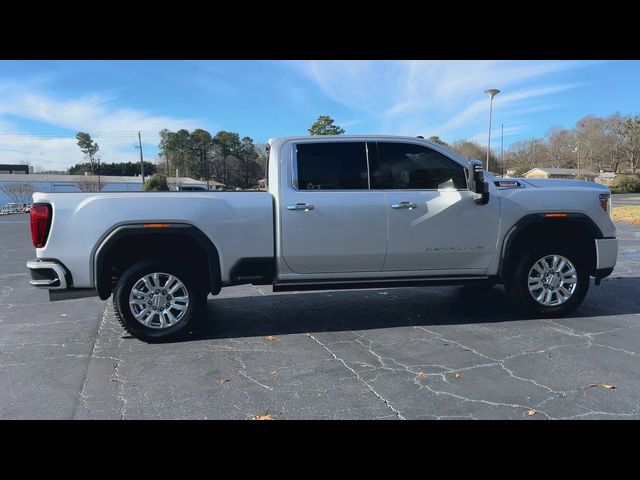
{"points": [[339, 212]]}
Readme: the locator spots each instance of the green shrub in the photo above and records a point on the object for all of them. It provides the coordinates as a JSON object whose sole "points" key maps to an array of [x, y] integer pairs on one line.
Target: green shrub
{"points": [[625, 184], [157, 183]]}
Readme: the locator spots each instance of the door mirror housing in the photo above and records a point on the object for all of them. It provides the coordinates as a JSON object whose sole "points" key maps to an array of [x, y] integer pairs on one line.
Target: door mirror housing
{"points": [[477, 183]]}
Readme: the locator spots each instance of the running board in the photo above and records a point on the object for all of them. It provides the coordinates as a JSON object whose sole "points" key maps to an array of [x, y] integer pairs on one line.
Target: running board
{"points": [[377, 283]]}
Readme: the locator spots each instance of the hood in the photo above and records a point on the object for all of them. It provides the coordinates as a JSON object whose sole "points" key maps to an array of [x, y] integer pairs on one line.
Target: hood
{"points": [[562, 183]]}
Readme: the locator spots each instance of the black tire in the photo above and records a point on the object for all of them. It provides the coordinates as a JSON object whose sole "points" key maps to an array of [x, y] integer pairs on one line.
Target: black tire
{"points": [[195, 310], [518, 289]]}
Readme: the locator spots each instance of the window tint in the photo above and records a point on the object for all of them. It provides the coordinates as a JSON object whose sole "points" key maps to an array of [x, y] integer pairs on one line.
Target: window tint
{"points": [[332, 166], [411, 166]]}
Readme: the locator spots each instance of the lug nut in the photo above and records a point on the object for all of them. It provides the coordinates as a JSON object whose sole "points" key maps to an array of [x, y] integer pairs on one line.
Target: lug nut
{"points": [[157, 291], [164, 292], [168, 305]]}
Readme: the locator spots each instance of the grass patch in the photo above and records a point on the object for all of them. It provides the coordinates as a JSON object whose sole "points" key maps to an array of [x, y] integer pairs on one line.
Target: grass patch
{"points": [[627, 214]]}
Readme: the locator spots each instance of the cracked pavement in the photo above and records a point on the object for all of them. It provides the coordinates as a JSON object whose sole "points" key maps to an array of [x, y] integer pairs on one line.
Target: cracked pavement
{"points": [[410, 353]]}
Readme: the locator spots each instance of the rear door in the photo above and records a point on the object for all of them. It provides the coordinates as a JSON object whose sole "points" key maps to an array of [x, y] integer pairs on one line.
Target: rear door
{"points": [[434, 223], [331, 219]]}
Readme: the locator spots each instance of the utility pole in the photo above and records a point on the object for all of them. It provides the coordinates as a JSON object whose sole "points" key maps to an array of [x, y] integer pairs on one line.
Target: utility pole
{"points": [[533, 146], [502, 148], [141, 159]]}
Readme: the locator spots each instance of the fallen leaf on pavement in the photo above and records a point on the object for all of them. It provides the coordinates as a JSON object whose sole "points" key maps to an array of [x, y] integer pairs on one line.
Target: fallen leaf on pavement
{"points": [[62, 315], [223, 381], [271, 338], [531, 412], [274, 371], [420, 374], [608, 386], [116, 380], [457, 375], [262, 417]]}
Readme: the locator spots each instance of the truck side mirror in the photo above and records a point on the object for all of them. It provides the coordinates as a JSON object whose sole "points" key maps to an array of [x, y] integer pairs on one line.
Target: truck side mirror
{"points": [[477, 183]]}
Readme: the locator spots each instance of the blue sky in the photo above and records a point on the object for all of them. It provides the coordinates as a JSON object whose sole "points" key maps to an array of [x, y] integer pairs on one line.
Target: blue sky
{"points": [[44, 103]]}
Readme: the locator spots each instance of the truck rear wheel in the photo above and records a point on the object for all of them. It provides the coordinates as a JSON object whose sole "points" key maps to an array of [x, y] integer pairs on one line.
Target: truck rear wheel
{"points": [[158, 301], [549, 280]]}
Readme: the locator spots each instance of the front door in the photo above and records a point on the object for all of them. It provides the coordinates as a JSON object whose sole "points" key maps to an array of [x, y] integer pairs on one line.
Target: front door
{"points": [[331, 220], [434, 223]]}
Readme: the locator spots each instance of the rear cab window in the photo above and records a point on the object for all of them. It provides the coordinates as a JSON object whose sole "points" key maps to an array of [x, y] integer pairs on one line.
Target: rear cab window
{"points": [[331, 166]]}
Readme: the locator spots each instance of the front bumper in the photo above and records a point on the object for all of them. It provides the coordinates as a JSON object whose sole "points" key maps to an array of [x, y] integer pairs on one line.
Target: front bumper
{"points": [[48, 274], [606, 253]]}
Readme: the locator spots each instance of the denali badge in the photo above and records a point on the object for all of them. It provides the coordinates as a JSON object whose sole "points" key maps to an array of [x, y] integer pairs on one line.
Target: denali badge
{"points": [[452, 249]]}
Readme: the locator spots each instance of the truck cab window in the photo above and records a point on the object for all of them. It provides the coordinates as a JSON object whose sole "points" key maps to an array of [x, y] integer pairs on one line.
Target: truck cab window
{"points": [[416, 167], [332, 166]]}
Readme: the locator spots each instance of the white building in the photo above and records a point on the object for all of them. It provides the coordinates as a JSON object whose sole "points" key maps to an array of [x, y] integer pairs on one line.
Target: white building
{"points": [[69, 183]]}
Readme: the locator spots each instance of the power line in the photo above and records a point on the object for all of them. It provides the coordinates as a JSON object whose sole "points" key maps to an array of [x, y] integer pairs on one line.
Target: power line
{"points": [[114, 134]]}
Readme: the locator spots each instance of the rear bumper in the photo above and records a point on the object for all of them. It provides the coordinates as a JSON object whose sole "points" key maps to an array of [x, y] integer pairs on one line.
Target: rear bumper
{"points": [[606, 253], [48, 274]]}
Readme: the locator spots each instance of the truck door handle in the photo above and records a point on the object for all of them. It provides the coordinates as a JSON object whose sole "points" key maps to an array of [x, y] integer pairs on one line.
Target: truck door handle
{"points": [[300, 206], [407, 205]]}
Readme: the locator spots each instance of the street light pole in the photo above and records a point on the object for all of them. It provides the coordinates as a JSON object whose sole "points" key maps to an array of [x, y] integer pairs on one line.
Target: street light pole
{"points": [[492, 93]]}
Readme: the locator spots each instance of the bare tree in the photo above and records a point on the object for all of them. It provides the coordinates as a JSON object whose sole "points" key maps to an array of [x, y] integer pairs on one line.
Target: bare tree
{"points": [[472, 150], [88, 183], [628, 132], [559, 146], [18, 192]]}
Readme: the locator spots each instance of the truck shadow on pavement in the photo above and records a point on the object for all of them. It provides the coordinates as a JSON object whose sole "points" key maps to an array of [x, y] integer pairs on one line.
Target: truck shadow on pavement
{"points": [[283, 314]]}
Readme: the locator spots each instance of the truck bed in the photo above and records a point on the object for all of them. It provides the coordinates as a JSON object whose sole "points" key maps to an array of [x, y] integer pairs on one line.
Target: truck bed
{"points": [[240, 224]]}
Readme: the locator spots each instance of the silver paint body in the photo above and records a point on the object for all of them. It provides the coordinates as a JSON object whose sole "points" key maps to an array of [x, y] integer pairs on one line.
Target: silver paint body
{"points": [[347, 235]]}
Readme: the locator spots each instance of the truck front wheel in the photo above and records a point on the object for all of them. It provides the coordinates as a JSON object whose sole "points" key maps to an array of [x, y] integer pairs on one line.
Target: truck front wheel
{"points": [[549, 281], [158, 301]]}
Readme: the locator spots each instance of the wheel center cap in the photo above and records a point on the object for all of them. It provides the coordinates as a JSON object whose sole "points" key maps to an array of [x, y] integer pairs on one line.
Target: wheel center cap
{"points": [[159, 301], [555, 281]]}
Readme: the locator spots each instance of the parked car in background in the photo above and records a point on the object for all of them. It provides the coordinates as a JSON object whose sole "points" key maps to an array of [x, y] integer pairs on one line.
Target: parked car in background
{"points": [[339, 212], [11, 208]]}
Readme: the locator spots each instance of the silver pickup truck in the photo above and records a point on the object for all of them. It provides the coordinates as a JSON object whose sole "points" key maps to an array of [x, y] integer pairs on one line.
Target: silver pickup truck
{"points": [[339, 212]]}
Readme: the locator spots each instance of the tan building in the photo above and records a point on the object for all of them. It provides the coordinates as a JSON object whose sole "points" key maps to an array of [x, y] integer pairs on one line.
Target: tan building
{"points": [[566, 173]]}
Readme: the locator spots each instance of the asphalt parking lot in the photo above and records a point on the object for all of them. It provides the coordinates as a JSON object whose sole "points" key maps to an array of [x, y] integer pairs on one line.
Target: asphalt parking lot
{"points": [[411, 353]]}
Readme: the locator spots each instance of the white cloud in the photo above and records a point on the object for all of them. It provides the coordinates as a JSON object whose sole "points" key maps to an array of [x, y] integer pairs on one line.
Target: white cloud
{"points": [[437, 97], [496, 133], [115, 129]]}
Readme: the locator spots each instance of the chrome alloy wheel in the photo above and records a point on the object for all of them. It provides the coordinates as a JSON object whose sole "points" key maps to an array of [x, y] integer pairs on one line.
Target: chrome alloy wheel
{"points": [[159, 300], [552, 280]]}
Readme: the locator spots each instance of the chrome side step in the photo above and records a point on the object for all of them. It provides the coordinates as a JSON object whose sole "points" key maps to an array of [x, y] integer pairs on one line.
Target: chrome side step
{"points": [[379, 283]]}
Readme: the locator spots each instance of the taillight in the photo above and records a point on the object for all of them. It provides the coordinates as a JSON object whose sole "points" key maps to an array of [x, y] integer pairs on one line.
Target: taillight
{"points": [[605, 202], [40, 223]]}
